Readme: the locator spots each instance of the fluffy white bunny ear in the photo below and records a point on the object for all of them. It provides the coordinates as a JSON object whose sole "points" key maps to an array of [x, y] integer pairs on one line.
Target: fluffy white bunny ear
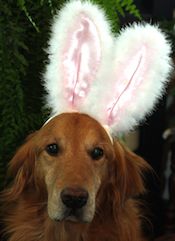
{"points": [[137, 78], [117, 81], [79, 46]]}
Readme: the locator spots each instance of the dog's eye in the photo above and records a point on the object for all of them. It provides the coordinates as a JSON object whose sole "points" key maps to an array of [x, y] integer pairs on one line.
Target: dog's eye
{"points": [[52, 149], [96, 153]]}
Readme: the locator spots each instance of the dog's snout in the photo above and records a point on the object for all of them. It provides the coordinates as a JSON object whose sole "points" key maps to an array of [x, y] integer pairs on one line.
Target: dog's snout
{"points": [[74, 198]]}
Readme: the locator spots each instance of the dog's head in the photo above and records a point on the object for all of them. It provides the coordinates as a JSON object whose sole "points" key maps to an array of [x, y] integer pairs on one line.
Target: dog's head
{"points": [[73, 165]]}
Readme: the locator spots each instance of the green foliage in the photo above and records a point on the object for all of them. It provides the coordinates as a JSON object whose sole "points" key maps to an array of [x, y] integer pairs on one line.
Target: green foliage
{"points": [[128, 6], [15, 115], [24, 27], [12, 67], [115, 8], [21, 4]]}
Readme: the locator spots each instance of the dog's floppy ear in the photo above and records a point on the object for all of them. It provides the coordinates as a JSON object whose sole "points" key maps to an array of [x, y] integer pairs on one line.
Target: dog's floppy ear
{"points": [[127, 171], [21, 168]]}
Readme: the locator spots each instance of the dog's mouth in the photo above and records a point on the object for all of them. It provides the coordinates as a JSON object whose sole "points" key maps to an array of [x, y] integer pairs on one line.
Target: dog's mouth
{"points": [[73, 215]]}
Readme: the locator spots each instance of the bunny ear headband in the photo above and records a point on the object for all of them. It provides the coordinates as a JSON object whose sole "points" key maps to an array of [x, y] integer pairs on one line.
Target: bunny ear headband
{"points": [[116, 80]]}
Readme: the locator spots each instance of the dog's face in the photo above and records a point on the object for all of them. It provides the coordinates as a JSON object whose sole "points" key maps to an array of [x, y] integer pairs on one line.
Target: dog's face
{"points": [[73, 151], [72, 165]]}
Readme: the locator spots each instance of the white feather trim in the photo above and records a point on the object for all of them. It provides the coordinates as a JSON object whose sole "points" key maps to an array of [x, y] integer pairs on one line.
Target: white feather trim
{"points": [[115, 56], [147, 93], [62, 25]]}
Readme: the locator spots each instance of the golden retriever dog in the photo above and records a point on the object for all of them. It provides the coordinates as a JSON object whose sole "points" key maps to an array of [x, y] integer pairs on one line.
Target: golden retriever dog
{"points": [[72, 183]]}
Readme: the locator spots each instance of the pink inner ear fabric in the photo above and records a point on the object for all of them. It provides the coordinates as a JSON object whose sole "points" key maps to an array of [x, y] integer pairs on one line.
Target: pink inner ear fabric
{"points": [[81, 58], [131, 75]]}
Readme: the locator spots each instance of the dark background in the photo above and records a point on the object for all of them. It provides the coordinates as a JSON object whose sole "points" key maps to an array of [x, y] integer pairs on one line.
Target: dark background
{"points": [[152, 144], [151, 141]]}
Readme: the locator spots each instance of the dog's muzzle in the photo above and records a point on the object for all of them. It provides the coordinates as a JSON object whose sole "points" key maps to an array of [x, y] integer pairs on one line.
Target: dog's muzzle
{"points": [[74, 200]]}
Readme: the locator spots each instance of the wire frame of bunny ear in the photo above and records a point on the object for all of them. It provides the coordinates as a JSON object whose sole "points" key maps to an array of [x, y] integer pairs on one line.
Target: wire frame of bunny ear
{"points": [[115, 80]]}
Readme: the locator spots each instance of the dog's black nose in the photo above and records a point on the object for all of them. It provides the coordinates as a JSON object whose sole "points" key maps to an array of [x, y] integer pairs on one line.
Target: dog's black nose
{"points": [[74, 197]]}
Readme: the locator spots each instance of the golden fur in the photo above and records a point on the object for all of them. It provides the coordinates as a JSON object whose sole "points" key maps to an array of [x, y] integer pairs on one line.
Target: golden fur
{"points": [[32, 203]]}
